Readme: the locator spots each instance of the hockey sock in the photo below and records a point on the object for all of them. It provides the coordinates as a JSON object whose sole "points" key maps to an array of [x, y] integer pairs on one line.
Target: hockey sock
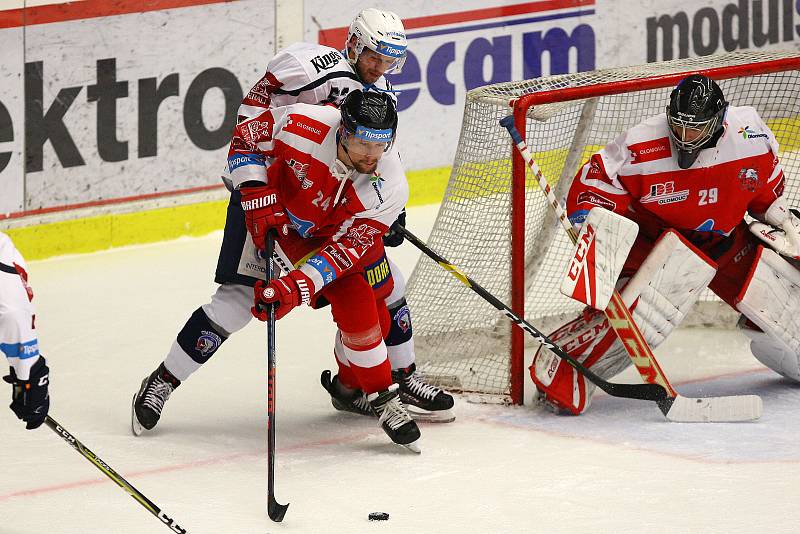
{"points": [[198, 338], [399, 341]]}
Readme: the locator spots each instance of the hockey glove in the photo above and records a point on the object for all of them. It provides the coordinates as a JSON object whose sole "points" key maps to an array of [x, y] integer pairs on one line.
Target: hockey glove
{"points": [[30, 400], [262, 211], [780, 229], [393, 238], [285, 292]]}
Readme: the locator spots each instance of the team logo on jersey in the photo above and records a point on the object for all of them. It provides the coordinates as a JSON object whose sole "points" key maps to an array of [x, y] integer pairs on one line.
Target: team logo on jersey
{"points": [[255, 131], [748, 180], [307, 127], [748, 133], [207, 343], [364, 236], [326, 61], [262, 91], [377, 184], [300, 170], [664, 194], [650, 150]]}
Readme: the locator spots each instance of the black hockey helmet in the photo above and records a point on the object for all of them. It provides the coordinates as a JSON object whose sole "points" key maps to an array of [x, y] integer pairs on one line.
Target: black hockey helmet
{"points": [[695, 115], [369, 117]]}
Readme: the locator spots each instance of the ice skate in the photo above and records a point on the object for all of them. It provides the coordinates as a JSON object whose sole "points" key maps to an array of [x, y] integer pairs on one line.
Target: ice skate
{"points": [[345, 399], [149, 401], [423, 401], [394, 418]]}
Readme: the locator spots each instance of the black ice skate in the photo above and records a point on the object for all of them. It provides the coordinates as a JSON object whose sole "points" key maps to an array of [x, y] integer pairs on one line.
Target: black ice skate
{"points": [[424, 401], [345, 399], [394, 419], [149, 401]]}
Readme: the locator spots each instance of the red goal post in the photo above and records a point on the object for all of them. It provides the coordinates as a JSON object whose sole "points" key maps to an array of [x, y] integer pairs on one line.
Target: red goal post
{"points": [[495, 225]]}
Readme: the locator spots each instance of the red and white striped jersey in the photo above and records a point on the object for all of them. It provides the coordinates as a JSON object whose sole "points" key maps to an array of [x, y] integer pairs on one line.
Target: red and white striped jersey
{"points": [[294, 149], [637, 175]]}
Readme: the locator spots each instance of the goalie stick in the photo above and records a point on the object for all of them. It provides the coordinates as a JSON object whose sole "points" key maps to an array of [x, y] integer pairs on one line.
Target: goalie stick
{"points": [[113, 475], [275, 510], [717, 409]]}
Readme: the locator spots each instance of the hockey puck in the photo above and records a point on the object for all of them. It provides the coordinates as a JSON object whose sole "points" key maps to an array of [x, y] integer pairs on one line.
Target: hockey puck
{"points": [[378, 516]]}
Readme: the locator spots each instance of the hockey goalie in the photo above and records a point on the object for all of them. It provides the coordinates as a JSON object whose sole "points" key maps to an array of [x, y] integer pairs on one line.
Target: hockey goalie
{"points": [[661, 211]]}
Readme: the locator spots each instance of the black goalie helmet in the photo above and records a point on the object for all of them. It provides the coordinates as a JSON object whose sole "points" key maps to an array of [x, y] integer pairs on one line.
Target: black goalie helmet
{"points": [[368, 118], [695, 115]]}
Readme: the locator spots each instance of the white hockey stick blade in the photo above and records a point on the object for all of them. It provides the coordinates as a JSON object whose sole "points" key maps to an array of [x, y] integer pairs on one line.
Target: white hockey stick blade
{"points": [[715, 409]]}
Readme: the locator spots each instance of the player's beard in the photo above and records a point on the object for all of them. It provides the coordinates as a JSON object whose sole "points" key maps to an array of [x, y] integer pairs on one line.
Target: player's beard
{"points": [[365, 168]]}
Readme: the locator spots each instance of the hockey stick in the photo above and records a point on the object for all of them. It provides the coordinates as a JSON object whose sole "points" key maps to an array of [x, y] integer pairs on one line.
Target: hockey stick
{"points": [[113, 475], [676, 408], [734, 408], [275, 510]]}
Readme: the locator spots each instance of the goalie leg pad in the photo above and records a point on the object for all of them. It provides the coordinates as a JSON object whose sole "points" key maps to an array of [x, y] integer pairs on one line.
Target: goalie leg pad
{"points": [[771, 300], [662, 291]]}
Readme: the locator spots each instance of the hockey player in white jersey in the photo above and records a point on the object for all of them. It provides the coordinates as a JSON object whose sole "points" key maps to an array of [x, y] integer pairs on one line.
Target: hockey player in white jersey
{"points": [[313, 74], [29, 375]]}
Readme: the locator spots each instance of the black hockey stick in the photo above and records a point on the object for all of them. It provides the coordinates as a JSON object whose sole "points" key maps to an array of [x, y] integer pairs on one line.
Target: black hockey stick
{"points": [[275, 510], [113, 475], [678, 409]]}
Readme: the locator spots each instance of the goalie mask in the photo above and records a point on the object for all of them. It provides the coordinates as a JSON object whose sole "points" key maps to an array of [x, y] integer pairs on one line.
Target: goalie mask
{"points": [[369, 123], [695, 116], [381, 32]]}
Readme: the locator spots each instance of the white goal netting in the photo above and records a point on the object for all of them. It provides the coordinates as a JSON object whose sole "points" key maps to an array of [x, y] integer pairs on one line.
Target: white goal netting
{"points": [[462, 342]]}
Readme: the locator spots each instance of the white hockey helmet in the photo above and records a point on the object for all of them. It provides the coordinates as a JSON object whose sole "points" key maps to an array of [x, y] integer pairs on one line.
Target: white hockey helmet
{"points": [[380, 31]]}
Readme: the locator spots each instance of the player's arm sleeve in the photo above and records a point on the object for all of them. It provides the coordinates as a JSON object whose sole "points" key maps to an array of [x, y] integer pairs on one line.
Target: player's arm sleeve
{"points": [[251, 149], [18, 341], [357, 236], [597, 183], [774, 186]]}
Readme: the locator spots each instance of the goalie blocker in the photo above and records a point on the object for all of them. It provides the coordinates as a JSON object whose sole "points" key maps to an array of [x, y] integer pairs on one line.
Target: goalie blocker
{"points": [[660, 294]]}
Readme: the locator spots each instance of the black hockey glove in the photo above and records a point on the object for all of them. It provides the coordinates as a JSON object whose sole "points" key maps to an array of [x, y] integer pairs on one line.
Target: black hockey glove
{"points": [[393, 237], [30, 400]]}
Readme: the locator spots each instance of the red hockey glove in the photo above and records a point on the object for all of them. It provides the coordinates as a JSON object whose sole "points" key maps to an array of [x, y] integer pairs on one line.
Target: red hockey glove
{"points": [[285, 292], [262, 211]]}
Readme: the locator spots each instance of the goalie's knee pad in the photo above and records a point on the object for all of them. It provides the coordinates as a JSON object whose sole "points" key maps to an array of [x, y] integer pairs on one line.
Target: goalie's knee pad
{"points": [[771, 300], [663, 290]]}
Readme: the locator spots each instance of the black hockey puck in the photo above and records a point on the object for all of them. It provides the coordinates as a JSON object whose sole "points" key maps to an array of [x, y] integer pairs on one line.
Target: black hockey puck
{"points": [[378, 516]]}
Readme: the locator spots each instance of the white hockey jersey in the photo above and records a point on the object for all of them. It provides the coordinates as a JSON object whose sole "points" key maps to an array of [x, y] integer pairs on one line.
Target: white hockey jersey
{"points": [[18, 340]]}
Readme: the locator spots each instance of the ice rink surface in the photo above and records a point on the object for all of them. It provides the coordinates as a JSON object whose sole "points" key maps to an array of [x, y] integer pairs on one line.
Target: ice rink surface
{"points": [[107, 319]]}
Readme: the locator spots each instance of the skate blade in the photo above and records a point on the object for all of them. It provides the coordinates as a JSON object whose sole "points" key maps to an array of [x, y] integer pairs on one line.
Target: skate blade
{"points": [[136, 428], [413, 447], [439, 416]]}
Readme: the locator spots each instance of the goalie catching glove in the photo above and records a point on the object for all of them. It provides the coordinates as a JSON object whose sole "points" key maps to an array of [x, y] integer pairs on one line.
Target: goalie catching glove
{"points": [[286, 293], [263, 210], [779, 227]]}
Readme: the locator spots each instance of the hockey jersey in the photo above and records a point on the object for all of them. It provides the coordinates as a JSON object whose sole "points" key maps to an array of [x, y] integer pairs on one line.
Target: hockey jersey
{"points": [[18, 340], [339, 216], [637, 175]]}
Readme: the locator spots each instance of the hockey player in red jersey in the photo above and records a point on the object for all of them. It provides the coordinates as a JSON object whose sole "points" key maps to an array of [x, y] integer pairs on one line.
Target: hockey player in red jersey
{"points": [[29, 375], [312, 74], [687, 177]]}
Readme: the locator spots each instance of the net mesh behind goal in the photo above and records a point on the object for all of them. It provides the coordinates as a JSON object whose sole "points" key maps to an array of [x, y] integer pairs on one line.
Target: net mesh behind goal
{"points": [[462, 342]]}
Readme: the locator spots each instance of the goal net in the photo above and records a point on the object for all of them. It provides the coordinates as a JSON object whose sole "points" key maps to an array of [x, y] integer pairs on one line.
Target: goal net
{"points": [[494, 223]]}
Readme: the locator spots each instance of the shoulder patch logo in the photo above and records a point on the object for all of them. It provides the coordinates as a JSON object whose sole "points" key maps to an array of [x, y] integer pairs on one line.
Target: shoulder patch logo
{"points": [[307, 127], [650, 150], [748, 133], [300, 170]]}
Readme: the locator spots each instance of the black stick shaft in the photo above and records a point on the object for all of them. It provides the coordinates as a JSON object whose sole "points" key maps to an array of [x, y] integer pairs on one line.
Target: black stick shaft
{"points": [[652, 392], [275, 510], [113, 475]]}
